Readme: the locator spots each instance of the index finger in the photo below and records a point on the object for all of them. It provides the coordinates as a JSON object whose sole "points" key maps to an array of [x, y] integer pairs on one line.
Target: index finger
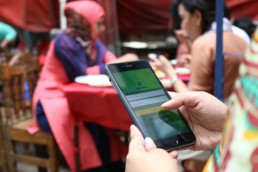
{"points": [[189, 99]]}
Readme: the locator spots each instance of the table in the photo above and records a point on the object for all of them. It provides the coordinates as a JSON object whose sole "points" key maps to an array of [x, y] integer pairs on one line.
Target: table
{"points": [[97, 104], [100, 105]]}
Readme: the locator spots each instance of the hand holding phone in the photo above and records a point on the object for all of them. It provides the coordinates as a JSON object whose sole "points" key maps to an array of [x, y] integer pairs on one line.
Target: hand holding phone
{"points": [[142, 95]]}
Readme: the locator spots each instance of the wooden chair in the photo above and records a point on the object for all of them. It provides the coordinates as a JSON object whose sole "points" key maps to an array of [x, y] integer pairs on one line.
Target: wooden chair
{"points": [[20, 71], [3, 159]]}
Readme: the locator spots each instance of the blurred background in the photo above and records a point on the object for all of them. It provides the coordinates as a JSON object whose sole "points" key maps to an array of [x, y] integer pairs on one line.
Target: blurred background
{"points": [[147, 21]]}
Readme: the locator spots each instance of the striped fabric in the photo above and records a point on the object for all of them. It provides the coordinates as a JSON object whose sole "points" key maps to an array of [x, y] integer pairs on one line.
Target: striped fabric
{"points": [[238, 150]]}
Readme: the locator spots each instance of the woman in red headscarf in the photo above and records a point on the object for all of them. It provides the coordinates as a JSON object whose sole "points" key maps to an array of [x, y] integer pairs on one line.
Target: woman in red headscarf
{"points": [[77, 51]]}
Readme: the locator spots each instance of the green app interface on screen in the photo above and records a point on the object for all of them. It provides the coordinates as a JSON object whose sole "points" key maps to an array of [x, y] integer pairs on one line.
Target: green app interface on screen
{"points": [[145, 96]]}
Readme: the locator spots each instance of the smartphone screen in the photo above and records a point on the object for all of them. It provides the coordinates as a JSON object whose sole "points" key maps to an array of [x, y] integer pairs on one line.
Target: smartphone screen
{"points": [[143, 94]]}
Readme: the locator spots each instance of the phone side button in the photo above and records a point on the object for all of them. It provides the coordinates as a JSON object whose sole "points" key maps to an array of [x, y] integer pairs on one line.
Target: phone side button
{"points": [[115, 90], [114, 87]]}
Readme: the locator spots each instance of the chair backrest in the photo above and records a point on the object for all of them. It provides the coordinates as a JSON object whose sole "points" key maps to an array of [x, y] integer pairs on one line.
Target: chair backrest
{"points": [[19, 77]]}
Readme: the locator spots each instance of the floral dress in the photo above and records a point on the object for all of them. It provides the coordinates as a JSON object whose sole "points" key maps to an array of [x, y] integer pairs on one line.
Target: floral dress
{"points": [[238, 150]]}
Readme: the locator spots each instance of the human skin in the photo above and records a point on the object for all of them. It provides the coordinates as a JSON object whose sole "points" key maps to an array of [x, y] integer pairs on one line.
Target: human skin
{"points": [[144, 156], [205, 115]]}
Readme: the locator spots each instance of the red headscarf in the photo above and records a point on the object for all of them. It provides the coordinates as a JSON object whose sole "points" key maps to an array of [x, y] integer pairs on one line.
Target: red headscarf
{"points": [[90, 10]]}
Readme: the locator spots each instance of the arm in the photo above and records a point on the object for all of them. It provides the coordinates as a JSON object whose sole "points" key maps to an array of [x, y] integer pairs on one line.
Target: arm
{"points": [[71, 55], [12, 34], [4, 43], [9, 34], [125, 58], [164, 65], [100, 68], [104, 56]]}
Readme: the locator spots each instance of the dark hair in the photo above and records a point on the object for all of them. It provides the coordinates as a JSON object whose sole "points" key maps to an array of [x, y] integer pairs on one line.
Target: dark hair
{"points": [[246, 24], [79, 25], [174, 14], [227, 12], [207, 9]]}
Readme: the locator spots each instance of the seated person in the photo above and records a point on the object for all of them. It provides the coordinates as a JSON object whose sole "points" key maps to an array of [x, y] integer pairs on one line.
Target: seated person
{"points": [[241, 29], [77, 51], [198, 25], [198, 18]]}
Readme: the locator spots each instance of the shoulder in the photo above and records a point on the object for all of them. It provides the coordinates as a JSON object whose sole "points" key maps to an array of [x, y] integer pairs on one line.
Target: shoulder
{"points": [[205, 42], [6, 26], [65, 41], [99, 43], [241, 33], [203, 49], [205, 39], [63, 38]]}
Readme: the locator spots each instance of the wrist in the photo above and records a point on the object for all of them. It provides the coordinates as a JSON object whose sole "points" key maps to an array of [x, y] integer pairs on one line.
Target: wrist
{"points": [[173, 81]]}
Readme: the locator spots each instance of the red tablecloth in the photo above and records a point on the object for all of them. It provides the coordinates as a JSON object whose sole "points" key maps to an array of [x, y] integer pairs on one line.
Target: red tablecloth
{"points": [[97, 104]]}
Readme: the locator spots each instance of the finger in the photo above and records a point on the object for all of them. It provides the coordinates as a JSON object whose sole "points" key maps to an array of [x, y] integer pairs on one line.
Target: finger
{"points": [[154, 59], [153, 64], [181, 33], [188, 58], [135, 132], [174, 154], [162, 58], [176, 102], [149, 144], [172, 94], [185, 57], [189, 99], [165, 61], [137, 140], [152, 56]]}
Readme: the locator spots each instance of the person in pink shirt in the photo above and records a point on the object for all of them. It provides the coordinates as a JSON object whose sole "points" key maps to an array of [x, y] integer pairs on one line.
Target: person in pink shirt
{"points": [[74, 52]]}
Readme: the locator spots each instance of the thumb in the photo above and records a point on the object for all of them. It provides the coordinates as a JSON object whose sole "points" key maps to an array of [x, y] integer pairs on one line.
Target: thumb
{"points": [[137, 140], [149, 144]]}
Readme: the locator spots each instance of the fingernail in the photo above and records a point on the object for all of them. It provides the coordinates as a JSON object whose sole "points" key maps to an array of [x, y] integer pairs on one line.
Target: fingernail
{"points": [[149, 143], [164, 104]]}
